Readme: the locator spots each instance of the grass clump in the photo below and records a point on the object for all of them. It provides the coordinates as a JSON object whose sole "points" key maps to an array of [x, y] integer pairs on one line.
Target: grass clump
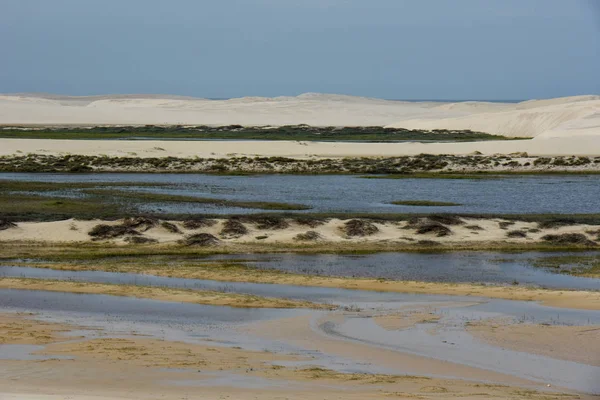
{"points": [[516, 234], [446, 219], [104, 231], [505, 224], [170, 227], [140, 240], [140, 223], [311, 222], [4, 225], [425, 203], [474, 228], [308, 236], [233, 228], [269, 222], [436, 228], [198, 223], [200, 239], [428, 243], [556, 223], [359, 227], [569, 238]]}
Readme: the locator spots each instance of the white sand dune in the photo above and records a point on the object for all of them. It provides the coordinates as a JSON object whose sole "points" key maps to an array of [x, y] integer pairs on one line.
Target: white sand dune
{"points": [[562, 126], [553, 117]]}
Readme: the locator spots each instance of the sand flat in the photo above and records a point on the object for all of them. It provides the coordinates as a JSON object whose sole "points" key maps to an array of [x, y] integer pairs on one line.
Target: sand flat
{"points": [[566, 146]]}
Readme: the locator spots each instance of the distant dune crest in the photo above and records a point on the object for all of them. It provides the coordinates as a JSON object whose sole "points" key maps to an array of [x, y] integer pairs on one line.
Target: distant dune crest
{"points": [[560, 117]]}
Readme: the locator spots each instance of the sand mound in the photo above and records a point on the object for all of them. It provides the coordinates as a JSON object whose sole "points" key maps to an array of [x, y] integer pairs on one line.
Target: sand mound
{"points": [[573, 116], [568, 116]]}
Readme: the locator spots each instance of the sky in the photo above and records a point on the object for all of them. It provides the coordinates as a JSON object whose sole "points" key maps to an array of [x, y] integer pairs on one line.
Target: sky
{"points": [[394, 49]]}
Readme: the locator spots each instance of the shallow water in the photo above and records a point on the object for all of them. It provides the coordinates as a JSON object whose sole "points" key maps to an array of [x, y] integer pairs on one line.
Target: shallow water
{"points": [[360, 299], [456, 267], [347, 193], [223, 326]]}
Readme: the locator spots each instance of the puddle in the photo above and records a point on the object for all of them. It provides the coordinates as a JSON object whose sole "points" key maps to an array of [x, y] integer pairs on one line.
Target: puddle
{"points": [[24, 352]]}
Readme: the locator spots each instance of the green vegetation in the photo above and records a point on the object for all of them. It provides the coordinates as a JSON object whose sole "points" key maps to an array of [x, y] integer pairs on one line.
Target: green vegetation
{"points": [[238, 132], [579, 265], [147, 197], [425, 203], [46, 201]]}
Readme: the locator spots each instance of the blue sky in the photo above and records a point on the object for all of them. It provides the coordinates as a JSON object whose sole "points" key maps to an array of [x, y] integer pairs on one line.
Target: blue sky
{"points": [[397, 49]]}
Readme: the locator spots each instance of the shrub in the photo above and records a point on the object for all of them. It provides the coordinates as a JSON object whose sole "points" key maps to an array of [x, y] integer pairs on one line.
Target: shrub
{"points": [[446, 219], [200, 239], [505, 224], [569, 238], [103, 231], [428, 243], [4, 225], [270, 222], [434, 227], [556, 223], [140, 240], [232, 228], [198, 223], [474, 228], [141, 223], [516, 234], [308, 236], [170, 227], [310, 222], [359, 227]]}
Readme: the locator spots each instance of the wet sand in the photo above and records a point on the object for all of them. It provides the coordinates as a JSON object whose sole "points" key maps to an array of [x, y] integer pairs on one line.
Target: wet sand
{"points": [[573, 343], [138, 366], [157, 293]]}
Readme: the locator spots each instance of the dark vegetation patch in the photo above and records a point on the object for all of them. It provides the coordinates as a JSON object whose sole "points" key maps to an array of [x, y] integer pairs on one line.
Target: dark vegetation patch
{"points": [[170, 227], [446, 219], [309, 221], [4, 225], [425, 203], [516, 234], [198, 223], [359, 227], [569, 238], [200, 239], [238, 132], [268, 222], [141, 223], [556, 223], [146, 197], [104, 231], [233, 228], [428, 243], [140, 240], [436, 228], [474, 228], [588, 265], [308, 236], [505, 224]]}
